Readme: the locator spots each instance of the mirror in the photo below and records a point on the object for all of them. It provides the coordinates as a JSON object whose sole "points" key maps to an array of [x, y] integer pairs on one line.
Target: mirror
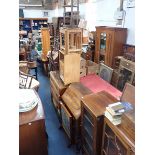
{"points": [[103, 41]]}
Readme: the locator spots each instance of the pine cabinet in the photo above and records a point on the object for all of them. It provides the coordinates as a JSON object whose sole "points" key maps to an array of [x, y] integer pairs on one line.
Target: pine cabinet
{"points": [[109, 44], [45, 34]]}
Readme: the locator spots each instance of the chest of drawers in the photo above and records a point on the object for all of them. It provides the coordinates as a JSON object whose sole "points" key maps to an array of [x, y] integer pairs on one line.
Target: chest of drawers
{"points": [[57, 89]]}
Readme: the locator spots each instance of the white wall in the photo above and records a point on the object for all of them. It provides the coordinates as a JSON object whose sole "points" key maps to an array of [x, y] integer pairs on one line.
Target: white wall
{"points": [[97, 13]]}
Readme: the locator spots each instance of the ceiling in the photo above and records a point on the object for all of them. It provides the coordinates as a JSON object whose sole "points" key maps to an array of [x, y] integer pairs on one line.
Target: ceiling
{"points": [[43, 4]]}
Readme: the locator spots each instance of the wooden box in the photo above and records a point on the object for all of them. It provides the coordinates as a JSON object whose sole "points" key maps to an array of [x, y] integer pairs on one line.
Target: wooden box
{"points": [[82, 63], [82, 72], [71, 40], [128, 123], [72, 102], [92, 67], [32, 132]]}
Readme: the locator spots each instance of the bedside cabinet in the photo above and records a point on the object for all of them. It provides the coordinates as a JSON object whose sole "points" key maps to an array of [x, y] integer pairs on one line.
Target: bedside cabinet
{"points": [[93, 108], [116, 141], [57, 89]]}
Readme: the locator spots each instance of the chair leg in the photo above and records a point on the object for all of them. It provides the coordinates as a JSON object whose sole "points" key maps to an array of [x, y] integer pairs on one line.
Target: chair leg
{"points": [[36, 71]]}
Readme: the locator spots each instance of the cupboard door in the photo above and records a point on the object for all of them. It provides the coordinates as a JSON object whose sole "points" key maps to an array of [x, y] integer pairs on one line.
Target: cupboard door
{"points": [[66, 120], [108, 53]]}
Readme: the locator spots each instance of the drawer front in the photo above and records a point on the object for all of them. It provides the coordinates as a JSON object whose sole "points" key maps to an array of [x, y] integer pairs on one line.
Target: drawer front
{"points": [[128, 65], [66, 120]]}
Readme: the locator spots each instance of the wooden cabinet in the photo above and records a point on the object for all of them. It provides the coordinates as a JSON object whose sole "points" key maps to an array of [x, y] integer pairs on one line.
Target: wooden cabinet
{"points": [[57, 89], [93, 108], [69, 66], [115, 141], [109, 44], [45, 38], [71, 100], [32, 132], [125, 73]]}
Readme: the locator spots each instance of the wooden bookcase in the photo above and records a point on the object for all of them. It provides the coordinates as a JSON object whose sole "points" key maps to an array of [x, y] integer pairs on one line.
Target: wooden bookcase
{"points": [[93, 108], [116, 141], [109, 44]]}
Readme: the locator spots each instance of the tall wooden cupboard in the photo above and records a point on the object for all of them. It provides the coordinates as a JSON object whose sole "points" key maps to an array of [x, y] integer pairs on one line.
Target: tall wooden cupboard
{"points": [[45, 43], [109, 44]]}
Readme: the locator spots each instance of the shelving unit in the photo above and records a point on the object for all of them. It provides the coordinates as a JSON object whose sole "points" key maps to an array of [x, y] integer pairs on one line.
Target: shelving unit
{"points": [[71, 40]]}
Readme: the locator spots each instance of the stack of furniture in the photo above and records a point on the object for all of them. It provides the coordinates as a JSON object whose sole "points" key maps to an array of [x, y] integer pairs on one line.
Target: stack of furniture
{"points": [[69, 54], [71, 18], [109, 44], [57, 89], [71, 111]]}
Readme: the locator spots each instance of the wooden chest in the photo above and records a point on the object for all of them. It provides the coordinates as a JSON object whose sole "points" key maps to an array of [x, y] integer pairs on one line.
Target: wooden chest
{"points": [[57, 89], [128, 123], [72, 102], [92, 67], [32, 132]]}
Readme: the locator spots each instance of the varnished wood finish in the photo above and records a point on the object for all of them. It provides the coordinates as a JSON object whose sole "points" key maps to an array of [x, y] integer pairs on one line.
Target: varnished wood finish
{"points": [[72, 101], [92, 67], [45, 43], [115, 38], [32, 134], [127, 142], [94, 106], [57, 89], [72, 98]]}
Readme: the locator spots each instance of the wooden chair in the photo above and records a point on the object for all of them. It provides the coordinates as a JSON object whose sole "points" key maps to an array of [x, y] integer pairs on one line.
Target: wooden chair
{"points": [[27, 81], [128, 94], [33, 66]]}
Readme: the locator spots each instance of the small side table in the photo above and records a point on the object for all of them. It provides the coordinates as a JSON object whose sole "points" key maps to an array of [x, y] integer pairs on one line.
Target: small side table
{"points": [[33, 65]]}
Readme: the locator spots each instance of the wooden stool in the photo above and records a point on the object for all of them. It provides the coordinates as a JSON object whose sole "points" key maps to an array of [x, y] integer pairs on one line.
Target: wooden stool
{"points": [[33, 65]]}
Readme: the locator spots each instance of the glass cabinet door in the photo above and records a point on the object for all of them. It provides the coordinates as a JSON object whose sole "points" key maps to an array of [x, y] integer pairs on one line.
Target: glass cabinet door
{"points": [[103, 37]]}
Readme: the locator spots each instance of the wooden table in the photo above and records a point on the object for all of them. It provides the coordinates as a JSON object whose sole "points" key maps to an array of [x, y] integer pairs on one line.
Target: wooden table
{"points": [[32, 134]]}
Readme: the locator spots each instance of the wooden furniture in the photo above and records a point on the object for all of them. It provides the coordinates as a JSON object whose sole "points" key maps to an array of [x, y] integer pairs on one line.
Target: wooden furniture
{"points": [[125, 73], [69, 66], [23, 66], [27, 81], [128, 94], [71, 18], [93, 108], [32, 133], [45, 43], [109, 43], [71, 107], [105, 72], [57, 89], [116, 141], [92, 67], [71, 40], [82, 67], [96, 84]]}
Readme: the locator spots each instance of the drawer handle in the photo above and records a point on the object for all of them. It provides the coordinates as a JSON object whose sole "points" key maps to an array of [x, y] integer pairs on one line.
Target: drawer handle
{"points": [[29, 123]]}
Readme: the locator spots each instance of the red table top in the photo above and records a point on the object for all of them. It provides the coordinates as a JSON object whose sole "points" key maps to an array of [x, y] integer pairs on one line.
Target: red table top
{"points": [[97, 84]]}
